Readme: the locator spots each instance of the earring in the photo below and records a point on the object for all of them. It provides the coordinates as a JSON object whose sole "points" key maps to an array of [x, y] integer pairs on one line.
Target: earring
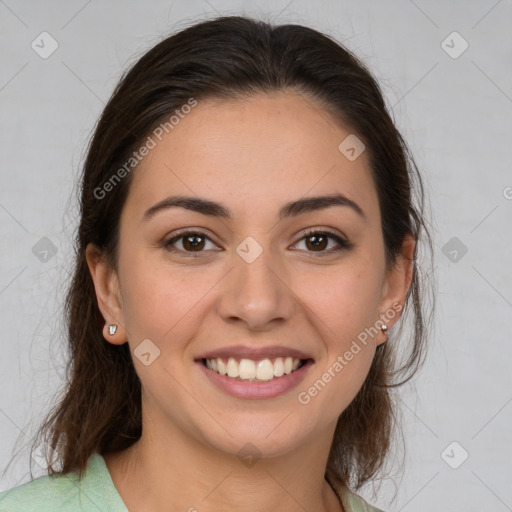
{"points": [[112, 328], [384, 328]]}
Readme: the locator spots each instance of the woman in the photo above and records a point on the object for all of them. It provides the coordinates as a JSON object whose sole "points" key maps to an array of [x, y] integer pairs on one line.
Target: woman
{"points": [[246, 248]]}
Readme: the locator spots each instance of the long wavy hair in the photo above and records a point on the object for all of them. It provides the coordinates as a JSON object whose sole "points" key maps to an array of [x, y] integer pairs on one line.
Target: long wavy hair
{"points": [[234, 56]]}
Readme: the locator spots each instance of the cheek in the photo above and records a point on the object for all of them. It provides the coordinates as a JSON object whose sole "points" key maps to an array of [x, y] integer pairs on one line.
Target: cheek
{"points": [[345, 300], [345, 307], [159, 299], [344, 317]]}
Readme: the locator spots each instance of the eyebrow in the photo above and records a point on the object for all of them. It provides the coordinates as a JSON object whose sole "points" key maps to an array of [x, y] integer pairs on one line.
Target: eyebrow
{"points": [[291, 209]]}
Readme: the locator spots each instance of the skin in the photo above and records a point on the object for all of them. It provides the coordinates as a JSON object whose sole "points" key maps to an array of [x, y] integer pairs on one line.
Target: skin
{"points": [[252, 155]]}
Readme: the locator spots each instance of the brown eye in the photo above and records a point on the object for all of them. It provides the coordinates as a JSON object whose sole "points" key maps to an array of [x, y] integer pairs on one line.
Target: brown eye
{"points": [[191, 242], [318, 241], [315, 242]]}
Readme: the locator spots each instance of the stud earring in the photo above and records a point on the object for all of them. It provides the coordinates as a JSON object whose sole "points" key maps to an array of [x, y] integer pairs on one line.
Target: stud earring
{"points": [[384, 328], [112, 328]]}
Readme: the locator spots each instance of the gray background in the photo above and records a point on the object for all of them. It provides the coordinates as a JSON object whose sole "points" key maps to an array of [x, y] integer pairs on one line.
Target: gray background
{"points": [[454, 111]]}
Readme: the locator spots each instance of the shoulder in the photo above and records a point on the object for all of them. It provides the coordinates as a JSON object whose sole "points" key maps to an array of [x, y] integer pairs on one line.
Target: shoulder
{"points": [[354, 503], [66, 492], [45, 493]]}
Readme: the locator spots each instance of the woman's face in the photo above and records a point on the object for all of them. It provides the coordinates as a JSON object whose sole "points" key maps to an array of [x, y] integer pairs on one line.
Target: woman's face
{"points": [[252, 285]]}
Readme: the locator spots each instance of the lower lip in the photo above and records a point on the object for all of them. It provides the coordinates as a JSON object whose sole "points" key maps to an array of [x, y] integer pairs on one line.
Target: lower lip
{"points": [[256, 390]]}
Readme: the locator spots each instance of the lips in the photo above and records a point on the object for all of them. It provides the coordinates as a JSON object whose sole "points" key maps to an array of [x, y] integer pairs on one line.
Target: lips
{"points": [[254, 353], [254, 365], [256, 389]]}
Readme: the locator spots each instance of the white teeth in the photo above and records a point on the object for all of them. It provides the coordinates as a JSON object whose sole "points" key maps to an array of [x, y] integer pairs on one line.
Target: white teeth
{"points": [[264, 370], [221, 367], [278, 367], [232, 368], [248, 369]]}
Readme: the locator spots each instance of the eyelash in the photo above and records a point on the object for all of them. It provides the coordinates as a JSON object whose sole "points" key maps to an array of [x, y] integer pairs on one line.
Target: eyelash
{"points": [[342, 243]]}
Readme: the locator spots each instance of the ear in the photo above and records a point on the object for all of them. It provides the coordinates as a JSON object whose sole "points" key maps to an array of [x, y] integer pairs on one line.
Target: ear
{"points": [[106, 286], [396, 285]]}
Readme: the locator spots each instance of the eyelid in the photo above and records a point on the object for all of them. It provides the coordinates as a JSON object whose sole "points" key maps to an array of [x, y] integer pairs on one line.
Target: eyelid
{"points": [[182, 233], [324, 230], [189, 231], [340, 239]]}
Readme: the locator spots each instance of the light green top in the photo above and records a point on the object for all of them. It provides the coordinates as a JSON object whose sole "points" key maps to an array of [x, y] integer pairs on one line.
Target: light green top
{"points": [[96, 492]]}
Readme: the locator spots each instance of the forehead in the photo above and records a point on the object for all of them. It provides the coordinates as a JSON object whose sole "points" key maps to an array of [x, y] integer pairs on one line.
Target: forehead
{"points": [[254, 154]]}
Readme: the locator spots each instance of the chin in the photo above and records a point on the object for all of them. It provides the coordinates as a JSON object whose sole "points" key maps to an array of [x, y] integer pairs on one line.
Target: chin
{"points": [[269, 436]]}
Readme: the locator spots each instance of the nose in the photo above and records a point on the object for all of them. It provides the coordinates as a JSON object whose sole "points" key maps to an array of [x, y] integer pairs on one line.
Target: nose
{"points": [[256, 293]]}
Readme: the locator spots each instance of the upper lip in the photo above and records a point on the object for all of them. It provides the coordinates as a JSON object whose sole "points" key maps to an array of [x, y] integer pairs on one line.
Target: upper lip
{"points": [[254, 353]]}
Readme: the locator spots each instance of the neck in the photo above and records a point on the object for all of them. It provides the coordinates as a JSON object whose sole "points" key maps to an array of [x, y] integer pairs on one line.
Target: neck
{"points": [[172, 467]]}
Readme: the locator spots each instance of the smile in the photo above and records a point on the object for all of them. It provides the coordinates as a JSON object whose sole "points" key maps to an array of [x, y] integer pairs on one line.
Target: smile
{"points": [[254, 370]]}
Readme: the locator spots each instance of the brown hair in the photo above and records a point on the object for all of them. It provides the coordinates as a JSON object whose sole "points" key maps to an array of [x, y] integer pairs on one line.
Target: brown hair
{"points": [[231, 57]]}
